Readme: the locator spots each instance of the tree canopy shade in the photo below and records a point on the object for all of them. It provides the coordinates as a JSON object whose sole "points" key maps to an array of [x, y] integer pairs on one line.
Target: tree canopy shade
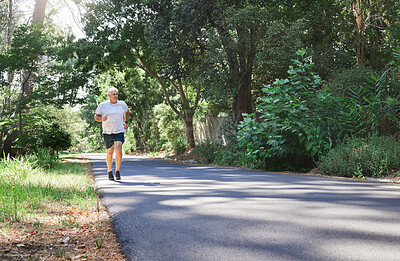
{"points": [[220, 51], [226, 50], [187, 46], [121, 30]]}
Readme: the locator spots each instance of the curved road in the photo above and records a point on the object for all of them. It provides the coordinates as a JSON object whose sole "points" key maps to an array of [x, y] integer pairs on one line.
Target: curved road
{"points": [[168, 211]]}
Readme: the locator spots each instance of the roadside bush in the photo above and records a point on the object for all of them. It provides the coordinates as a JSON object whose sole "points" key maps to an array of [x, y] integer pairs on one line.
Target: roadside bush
{"points": [[367, 102], [207, 151], [170, 127], [129, 144], [225, 156], [179, 145], [297, 121], [374, 156], [42, 132], [344, 80], [291, 128], [369, 109]]}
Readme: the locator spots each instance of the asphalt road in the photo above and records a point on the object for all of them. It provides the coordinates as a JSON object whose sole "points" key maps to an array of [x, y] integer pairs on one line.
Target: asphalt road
{"points": [[168, 211]]}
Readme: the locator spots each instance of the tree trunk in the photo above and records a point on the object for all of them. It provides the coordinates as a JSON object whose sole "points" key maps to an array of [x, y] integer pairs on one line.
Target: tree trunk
{"points": [[247, 52], [10, 18], [39, 12], [243, 101], [10, 136], [189, 128], [37, 19], [10, 75], [360, 20]]}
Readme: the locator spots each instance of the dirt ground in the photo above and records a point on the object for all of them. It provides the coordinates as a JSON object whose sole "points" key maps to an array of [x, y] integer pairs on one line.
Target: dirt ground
{"points": [[65, 234]]}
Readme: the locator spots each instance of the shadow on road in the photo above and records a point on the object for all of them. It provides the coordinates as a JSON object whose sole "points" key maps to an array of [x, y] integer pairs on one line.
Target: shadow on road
{"points": [[169, 211]]}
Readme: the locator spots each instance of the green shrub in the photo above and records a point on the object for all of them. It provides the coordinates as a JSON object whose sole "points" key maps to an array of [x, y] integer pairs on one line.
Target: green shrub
{"points": [[225, 156], [298, 122], [291, 129], [179, 145], [368, 109], [367, 102], [207, 151], [374, 156], [170, 127], [344, 80], [129, 144], [213, 152], [42, 132]]}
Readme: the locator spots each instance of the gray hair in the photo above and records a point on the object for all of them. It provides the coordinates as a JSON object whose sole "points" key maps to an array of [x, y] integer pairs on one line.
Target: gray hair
{"points": [[112, 89]]}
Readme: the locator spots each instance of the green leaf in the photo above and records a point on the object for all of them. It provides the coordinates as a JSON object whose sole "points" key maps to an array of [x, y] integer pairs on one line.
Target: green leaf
{"points": [[301, 52]]}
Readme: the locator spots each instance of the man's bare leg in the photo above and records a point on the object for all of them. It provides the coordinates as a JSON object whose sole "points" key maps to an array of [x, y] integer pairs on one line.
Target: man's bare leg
{"points": [[118, 155], [109, 158]]}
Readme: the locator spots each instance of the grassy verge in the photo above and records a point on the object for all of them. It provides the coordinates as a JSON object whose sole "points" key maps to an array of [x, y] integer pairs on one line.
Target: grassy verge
{"points": [[52, 213]]}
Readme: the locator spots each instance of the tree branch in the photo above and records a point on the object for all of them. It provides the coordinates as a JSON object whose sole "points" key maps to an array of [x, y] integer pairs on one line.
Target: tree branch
{"points": [[146, 68]]}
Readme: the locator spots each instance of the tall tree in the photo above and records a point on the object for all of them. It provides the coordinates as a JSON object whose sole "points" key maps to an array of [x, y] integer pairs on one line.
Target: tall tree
{"points": [[10, 76], [178, 48], [10, 20], [37, 19], [237, 27], [118, 29], [360, 23], [372, 19]]}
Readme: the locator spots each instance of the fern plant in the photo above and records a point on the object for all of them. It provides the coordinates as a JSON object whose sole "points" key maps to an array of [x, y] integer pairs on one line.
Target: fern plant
{"points": [[359, 111]]}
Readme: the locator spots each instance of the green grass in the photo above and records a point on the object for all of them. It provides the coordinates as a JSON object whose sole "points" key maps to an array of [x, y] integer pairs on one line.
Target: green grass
{"points": [[26, 188]]}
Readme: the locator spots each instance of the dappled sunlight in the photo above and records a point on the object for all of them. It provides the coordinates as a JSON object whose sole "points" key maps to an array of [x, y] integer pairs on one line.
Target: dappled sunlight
{"points": [[166, 215], [234, 214]]}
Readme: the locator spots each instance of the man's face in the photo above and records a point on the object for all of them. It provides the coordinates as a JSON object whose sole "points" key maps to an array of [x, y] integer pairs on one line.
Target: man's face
{"points": [[113, 96]]}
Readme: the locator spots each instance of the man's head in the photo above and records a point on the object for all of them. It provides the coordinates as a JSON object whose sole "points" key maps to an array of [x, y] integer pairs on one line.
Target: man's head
{"points": [[113, 94], [112, 89]]}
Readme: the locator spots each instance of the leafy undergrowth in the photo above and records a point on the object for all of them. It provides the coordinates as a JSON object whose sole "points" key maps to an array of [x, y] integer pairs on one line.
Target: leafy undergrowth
{"points": [[61, 231]]}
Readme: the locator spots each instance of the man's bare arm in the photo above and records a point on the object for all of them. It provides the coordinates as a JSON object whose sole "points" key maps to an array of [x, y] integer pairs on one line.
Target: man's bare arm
{"points": [[126, 116], [99, 118], [126, 120]]}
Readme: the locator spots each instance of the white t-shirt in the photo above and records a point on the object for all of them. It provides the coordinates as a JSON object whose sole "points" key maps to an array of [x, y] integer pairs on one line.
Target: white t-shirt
{"points": [[115, 116]]}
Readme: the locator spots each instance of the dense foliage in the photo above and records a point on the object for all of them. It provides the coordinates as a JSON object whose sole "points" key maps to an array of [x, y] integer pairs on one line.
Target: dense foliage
{"points": [[175, 62], [363, 157], [292, 126], [298, 121], [42, 133], [40, 70]]}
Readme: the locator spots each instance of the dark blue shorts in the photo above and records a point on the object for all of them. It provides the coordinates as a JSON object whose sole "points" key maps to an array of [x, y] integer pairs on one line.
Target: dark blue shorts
{"points": [[109, 139]]}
